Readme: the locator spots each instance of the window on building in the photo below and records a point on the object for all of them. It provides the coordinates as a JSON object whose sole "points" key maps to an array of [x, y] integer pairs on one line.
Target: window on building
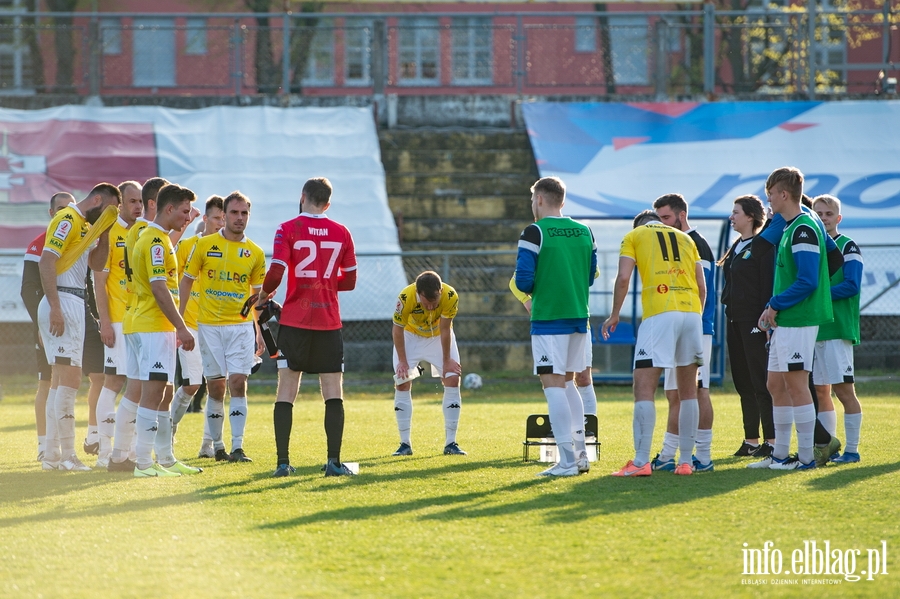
{"points": [[585, 34], [628, 44], [320, 64], [357, 52], [472, 50], [154, 53], [419, 41], [111, 36], [195, 36], [15, 49]]}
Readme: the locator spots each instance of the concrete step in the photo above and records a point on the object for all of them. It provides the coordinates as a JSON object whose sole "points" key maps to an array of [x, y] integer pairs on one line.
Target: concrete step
{"points": [[443, 139], [519, 161], [460, 184], [460, 229], [462, 206]]}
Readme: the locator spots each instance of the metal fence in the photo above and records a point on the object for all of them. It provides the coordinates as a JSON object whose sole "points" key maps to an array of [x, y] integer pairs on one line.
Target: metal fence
{"points": [[766, 50], [492, 327]]}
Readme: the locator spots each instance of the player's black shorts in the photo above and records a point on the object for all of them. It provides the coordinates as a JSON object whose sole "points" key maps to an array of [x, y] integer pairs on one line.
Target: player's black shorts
{"points": [[92, 358], [310, 351]]}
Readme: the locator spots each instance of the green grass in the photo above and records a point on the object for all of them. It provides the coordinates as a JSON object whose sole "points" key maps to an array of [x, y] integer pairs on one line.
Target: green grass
{"points": [[434, 525]]}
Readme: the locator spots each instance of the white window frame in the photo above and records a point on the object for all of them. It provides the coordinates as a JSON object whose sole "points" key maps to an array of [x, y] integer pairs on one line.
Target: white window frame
{"points": [[358, 49], [465, 42], [418, 38], [629, 46], [320, 50], [195, 36]]}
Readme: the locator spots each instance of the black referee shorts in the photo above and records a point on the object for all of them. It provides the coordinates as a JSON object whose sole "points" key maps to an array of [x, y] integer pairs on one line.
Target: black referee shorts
{"points": [[314, 352]]}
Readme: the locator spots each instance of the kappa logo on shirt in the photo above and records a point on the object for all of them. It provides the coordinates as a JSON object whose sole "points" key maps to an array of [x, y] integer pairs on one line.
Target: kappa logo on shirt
{"points": [[803, 235], [214, 252]]}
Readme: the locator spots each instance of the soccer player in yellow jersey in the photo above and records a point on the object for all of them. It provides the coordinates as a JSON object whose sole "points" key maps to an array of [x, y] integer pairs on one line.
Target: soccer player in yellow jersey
{"points": [[157, 327], [191, 362], [423, 330], [670, 335], [61, 313], [111, 294], [229, 269]]}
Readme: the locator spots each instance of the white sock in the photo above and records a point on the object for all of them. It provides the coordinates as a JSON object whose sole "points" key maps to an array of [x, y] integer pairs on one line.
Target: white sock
{"points": [[704, 445], [215, 418], [783, 417], [51, 436], [805, 421], [643, 424], [93, 434], [146, 426], [403, 409], [106, 414], [561, 423], [829, 421], [124, 431], [588, 399], [181, 401], [65, 420], [670, 447], [42, 440], [237, 417], [451, 405], [576, 410], [165, 454], [688, 419], [852, 424]]}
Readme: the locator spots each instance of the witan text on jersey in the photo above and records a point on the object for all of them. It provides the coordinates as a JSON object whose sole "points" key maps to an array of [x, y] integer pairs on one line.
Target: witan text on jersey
{"points": [[318, 232]]}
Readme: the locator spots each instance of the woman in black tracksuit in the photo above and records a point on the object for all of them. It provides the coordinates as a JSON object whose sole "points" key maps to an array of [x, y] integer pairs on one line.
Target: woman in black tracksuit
{"points": [[749, 272]]}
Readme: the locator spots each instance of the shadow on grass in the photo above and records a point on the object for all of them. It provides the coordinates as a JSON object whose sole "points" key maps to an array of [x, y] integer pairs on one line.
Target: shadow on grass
{"points": [[17, 428], [26, 488], [561, 502], [841, 476]]}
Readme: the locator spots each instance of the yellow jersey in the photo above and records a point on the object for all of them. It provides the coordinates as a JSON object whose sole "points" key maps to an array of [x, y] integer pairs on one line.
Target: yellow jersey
{"points": [[116, 282], [667, 262], [153, 260], [64, 232], [183, 251], [410, 314], [130, 240], [227, 272]]}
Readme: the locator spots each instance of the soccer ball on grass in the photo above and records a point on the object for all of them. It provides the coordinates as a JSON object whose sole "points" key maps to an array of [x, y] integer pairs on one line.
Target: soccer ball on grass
{"points": [[472, 381]]}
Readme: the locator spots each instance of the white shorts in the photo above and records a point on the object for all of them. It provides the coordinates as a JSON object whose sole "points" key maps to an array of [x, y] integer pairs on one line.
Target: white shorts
{"points": [[559, 354], [833, 362], [67, 349], [702, 372], [588, 350], [668, 340], [132, 357], [115, 358], [156, 356], [426, 349], [792, 348], [227, 349], [191, 362]]}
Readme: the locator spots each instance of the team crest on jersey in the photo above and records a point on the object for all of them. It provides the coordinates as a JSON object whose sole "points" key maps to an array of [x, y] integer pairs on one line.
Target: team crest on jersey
{"points": [[244, 253], [63, 228], [662, 289], [157, 255], [399, 308]]}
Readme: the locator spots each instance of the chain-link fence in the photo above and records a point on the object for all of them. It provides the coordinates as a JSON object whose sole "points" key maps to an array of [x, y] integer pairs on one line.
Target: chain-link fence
{"points": [[492, 327], [767, 49]]}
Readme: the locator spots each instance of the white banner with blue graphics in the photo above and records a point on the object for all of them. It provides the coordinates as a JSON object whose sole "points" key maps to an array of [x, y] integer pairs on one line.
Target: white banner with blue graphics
{"points": [[616, 158]]}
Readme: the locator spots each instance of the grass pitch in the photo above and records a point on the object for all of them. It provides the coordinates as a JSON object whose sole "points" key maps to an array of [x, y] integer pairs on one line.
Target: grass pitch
{"points": [[442, 526]]}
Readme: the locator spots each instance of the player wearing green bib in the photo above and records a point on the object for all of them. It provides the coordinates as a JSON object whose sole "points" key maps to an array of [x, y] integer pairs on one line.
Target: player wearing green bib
{"points": [[801, 302], [833, 362], [556, 263]]}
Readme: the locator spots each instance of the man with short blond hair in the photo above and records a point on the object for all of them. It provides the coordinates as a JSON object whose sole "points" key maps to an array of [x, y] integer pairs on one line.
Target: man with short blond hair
{"points": [[833, 362]]}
